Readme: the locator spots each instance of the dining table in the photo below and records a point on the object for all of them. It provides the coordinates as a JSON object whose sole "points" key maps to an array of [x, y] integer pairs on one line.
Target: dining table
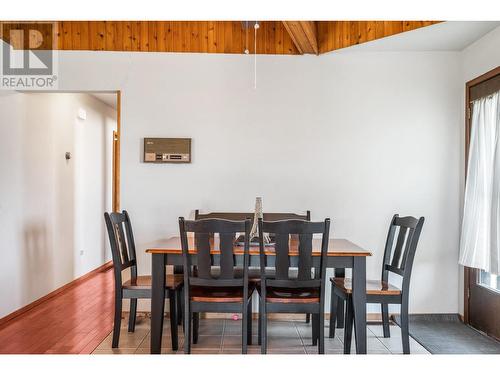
{"points": [[342, 254]]}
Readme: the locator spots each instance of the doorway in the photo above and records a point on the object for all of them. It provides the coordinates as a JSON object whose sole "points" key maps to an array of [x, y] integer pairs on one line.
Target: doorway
{"points": [[50, 143], [481, 289]]}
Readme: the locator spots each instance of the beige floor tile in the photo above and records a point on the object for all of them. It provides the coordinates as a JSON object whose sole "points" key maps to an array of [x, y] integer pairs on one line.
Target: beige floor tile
{"points": [[141, 322], [233, 328], [162, 351], [305, 331], [208, 342], [284, 343], [195, 351], [377, 330], [414, 349], [332, 345], [333, 352], [128, 340], [251, 350], [166, 341], [288, 351], [282, 329], [314, 350], [114, 351], [234, 342], [395, 345], [224, 336], [210, 327], [373, 345]]}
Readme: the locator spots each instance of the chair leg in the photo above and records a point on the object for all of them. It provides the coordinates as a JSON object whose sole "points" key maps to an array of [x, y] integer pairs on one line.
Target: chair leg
{"points": [[173, 319], [385, 319], [259, 333], [249, 323], [263, 345], [118, 320], [181, 317], [132, 315], [341, 313], [187, 330], [178, 297], [405, 334], [244, 329], [348, 326], [308, 318], [196, 326], [333, 314], [321, 342], [315, 329]]}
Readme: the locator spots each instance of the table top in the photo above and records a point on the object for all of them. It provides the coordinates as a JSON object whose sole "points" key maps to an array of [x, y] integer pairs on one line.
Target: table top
{"points": [[337, 247]]}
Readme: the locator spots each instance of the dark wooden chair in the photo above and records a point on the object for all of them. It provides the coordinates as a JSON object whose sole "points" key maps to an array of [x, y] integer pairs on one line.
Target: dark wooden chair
{"points": [[398, 259], [122, 244], [268, 216], [281, 293], [254, 272], [212, 287]]}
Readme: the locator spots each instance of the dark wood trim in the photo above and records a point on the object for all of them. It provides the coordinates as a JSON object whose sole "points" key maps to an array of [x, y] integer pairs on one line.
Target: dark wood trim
{"points": [[116, 155], [468, 272], [106, 266], [483, 77]]}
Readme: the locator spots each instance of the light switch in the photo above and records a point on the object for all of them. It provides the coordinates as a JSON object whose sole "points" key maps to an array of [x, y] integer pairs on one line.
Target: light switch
{"points": [[82, 114]]}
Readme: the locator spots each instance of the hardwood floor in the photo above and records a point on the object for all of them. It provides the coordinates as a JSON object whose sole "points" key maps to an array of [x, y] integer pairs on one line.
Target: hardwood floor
{"points": [[74, 321]]}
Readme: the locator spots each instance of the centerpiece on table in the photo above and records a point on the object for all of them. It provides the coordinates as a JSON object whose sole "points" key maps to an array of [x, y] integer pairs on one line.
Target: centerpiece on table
{"points": [[254, 232]]}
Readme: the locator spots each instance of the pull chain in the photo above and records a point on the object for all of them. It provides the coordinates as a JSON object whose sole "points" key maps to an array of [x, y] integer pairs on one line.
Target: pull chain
{"points": [[256, 27]]}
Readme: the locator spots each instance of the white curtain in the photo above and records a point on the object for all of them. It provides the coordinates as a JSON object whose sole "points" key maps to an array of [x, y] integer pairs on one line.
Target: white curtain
{"points": [[480, 240]]}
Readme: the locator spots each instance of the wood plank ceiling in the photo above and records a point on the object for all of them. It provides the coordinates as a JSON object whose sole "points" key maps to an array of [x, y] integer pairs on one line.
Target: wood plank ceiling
{"points": [[273, 37]]}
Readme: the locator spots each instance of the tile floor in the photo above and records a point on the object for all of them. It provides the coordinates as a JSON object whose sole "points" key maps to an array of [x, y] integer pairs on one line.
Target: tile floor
{"points": [[219, 336]]}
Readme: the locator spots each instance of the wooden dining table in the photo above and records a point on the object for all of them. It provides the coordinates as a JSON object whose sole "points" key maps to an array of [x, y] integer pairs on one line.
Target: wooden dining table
{"points": [[342, 254]]}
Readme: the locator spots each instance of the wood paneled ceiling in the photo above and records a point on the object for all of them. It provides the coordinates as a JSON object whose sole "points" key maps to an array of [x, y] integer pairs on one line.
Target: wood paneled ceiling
{"points": [[273, 37]]}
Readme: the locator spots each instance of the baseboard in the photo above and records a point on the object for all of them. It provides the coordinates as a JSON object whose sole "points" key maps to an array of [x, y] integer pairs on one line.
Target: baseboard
{"points": [[59, 290], [370, 317]]}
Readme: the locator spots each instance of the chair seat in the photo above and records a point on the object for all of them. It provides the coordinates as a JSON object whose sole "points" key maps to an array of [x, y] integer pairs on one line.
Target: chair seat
{"points": [[373, 287], [292, 295], [145, 282], [218, 294]]}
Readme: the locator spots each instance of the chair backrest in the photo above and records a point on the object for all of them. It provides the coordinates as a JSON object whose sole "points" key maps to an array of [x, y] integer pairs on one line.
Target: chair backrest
{"points": [[297, 234], [399, 254], [204, 242], [268, 216], [122, 244]]}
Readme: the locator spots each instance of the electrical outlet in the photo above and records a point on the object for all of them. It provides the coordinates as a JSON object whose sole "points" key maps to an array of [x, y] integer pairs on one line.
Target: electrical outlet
{"points": [[81, 252]]}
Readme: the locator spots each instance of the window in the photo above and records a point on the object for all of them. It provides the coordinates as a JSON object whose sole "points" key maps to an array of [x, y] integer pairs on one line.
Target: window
{"points": [[489, 280]]}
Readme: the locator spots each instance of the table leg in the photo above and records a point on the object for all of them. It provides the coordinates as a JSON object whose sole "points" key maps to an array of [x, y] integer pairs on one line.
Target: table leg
{"points": [[340, 272], [157, 301], [359, 302]]}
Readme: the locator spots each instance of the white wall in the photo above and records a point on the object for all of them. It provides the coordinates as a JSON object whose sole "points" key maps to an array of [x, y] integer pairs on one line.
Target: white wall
{"points": [[477, 59], [42, 194], [353, 136], [93, 141]]}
